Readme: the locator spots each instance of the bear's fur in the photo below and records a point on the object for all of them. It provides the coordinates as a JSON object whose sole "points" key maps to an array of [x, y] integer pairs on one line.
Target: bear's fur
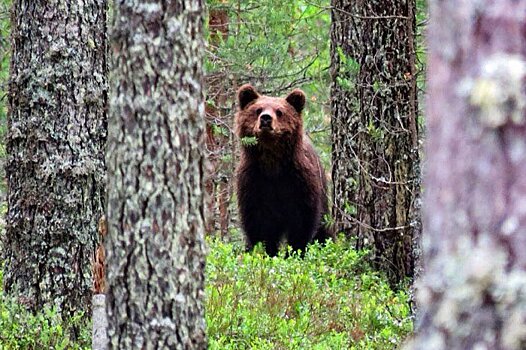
{"points": [[281, 185]]}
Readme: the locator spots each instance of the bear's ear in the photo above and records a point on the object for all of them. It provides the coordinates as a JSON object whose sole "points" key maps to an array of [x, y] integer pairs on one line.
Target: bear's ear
{"points": [[296, 99], [245, 95]]}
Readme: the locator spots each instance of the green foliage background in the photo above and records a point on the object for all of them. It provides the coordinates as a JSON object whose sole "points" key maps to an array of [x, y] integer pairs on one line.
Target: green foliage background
{"points": [[278, 46]]}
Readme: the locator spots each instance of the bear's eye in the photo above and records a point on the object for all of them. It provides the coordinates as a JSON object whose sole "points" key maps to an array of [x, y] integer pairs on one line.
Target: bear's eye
{"points": [[258, 111], [279, 113]]}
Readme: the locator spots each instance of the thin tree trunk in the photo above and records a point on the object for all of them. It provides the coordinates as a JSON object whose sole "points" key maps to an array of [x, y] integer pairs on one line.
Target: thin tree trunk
{"points": [[155, 241], [55, 149], [374, 131], [473, 294], [219, 140]]}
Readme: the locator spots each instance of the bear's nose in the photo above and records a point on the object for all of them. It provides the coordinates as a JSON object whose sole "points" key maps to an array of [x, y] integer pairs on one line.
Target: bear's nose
{"points": [[265, 120]]}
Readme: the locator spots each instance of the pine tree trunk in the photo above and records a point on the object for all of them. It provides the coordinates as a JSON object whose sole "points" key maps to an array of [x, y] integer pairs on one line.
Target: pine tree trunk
{"points": [[374, 131], [473, 294], [55, 151], [219, 140], [155, 241]]}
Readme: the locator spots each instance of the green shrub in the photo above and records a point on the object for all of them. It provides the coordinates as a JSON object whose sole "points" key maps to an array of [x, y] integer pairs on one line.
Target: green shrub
{"points": [[20, 329], [330, 299]]}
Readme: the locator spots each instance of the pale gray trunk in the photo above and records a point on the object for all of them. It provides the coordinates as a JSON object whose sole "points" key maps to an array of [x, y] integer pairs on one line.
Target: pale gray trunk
{"points": [[99, 335], [55, 150], [375, 156], [155, 242], [473, 294]]}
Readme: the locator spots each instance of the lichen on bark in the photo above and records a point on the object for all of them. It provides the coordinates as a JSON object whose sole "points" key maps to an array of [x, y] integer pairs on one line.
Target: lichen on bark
{"points": [[472, 300], [375, 153], [155, 242], [473, 293], [497, 90], [55, 151]]}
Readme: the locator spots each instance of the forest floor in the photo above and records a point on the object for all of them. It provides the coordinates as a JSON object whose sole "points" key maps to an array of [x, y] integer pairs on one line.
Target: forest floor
{"points": [[329, 299]]}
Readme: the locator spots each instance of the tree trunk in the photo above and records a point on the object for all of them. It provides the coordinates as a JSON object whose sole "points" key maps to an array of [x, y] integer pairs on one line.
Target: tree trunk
{"points": [[219, 138], [155, 240], [55, 151], [374, 130], [473, 293]]}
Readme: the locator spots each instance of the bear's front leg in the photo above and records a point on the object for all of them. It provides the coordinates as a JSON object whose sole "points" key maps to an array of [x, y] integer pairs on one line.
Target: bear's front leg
{"points": [[302, 232], [262, 232]]}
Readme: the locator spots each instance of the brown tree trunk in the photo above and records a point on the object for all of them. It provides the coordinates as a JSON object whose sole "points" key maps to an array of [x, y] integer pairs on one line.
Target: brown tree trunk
{"points": [[473, 293], [220, 139], [55, 145], [155, 240], [374, 130]]}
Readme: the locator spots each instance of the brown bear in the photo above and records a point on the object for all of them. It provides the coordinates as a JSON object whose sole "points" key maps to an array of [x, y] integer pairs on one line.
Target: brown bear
{"points": [[281, 186]]}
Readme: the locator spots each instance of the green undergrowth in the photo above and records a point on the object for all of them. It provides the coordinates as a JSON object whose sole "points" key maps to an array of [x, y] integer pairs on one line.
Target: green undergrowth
{"points": [[22, 330], [329, 299]]}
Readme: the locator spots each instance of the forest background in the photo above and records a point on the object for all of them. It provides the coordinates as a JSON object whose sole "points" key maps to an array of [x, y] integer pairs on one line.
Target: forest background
{"points": [[332, 299]]}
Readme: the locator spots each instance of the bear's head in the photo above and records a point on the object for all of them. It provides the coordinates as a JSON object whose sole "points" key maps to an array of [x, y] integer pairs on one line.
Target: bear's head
{"points": [[269, 119]]}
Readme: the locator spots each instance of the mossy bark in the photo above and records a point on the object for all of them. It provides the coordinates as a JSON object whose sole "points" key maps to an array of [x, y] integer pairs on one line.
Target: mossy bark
{"points": [[155, 241], [473, 294], [374, 129], [55, 151]]}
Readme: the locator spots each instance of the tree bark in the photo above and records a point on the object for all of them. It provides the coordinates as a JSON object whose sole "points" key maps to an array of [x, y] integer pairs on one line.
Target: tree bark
{"points": [[374, 131], [473, 293], [55, 151], [219, 138], [155, 242]]}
